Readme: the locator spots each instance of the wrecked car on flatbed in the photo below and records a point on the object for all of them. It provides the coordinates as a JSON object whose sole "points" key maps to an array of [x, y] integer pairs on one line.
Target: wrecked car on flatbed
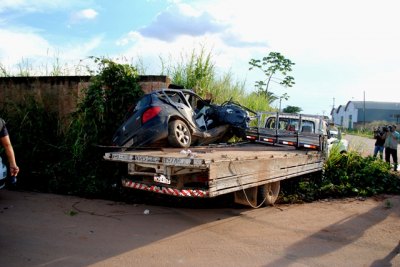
{"points": [[180, 118]]}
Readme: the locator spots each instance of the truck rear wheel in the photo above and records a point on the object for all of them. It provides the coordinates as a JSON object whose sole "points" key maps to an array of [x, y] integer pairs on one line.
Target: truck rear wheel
{"points": [[269, 192]]}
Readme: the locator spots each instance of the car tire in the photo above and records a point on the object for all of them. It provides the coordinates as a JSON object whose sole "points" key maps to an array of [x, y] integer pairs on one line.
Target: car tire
{"points": [[269, 192], [179, 134]]}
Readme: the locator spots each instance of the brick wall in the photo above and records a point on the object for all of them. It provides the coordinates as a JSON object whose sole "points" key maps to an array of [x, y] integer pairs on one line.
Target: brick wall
{"points": [[59, 94], [150, 83]]}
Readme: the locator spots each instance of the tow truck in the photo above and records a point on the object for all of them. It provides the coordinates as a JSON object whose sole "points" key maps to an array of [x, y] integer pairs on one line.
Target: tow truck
{"points": [[279, 146]]}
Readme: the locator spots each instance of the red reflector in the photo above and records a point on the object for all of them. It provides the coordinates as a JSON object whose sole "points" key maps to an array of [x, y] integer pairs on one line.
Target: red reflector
{"points": [[150, 113], [251, 137]]}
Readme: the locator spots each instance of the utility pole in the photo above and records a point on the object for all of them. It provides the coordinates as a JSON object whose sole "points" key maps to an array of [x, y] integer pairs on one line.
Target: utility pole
{"points": [[364, 109]]}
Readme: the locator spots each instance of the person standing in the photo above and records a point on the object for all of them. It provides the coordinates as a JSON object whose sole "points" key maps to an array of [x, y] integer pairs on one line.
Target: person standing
{"points": [[6, 143], [379, 143], [392, 138]]}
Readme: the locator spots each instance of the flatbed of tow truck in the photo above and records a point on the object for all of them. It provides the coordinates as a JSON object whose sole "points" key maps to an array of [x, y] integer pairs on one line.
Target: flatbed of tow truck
{"points": [[215, 170]]}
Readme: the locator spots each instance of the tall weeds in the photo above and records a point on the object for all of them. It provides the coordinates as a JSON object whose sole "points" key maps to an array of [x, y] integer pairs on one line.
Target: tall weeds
{"points": [[197, 71]]}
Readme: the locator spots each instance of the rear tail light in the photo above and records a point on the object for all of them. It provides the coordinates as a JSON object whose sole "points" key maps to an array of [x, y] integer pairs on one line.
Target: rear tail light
{"points": [[310, 146], [251, 137], [268, 140], [288, 143], [150, 113]]}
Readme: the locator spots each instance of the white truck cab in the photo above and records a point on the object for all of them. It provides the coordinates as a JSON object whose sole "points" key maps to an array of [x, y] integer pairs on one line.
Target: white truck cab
{"points": [[298, 130]]}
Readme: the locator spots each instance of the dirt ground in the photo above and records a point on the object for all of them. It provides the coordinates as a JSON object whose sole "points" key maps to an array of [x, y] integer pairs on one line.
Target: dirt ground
{"points": [[51, 230]]}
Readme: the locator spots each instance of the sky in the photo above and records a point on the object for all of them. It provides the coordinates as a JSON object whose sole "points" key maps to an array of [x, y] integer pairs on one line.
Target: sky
{"points": [[343, 50]]}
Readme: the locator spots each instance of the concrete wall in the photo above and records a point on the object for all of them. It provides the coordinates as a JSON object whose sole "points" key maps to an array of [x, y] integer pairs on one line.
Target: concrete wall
{"points": [[59, 94]]}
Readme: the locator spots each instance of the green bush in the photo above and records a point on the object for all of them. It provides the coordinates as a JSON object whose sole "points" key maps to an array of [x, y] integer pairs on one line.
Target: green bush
{"points": [[111, 93], [344, 175], [351, 174]]}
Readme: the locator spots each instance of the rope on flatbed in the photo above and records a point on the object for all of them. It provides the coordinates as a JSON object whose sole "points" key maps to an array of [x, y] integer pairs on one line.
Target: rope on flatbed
{"points": [[244, 191]]}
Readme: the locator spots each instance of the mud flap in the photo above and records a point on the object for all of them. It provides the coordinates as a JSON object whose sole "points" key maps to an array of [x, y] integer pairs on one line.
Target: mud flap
{"points": [[251, 193]]}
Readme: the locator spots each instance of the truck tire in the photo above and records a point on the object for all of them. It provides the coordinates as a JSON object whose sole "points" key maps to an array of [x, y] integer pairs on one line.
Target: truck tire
{"points": [[179, 134], [269, 192]]}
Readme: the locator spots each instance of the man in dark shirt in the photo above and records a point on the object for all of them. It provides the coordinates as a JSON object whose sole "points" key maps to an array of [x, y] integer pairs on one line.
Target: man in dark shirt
{"points": [[392, 138], [379, 143], [6, 143]]}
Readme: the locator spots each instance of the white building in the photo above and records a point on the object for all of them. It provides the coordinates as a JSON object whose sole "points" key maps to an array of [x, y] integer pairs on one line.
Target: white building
{"points": [[359, 112]]}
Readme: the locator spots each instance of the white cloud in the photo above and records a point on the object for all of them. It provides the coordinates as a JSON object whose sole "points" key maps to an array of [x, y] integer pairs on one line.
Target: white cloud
{"points": [[130, 37], [183, 20], [383, 86], [179, 20], [79, 51], [18, 45], [38, 55], [84, 14]]}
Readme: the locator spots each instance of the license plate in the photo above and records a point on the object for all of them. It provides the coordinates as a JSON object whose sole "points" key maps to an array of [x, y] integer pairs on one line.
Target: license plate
{"points": [[160, 178]]}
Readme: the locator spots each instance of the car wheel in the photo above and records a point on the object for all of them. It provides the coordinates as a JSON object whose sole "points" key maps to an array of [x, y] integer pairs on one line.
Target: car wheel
{"points": [[179, 134], [269, 193]]}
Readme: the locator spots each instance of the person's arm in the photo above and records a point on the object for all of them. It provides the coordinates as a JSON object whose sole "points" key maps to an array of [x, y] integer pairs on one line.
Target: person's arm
{"points": [[397, 136], [6, 143]]}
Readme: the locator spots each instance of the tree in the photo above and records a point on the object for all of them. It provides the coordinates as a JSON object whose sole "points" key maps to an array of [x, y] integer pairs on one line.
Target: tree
{"points": [[273, 65], [292, 109]]}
